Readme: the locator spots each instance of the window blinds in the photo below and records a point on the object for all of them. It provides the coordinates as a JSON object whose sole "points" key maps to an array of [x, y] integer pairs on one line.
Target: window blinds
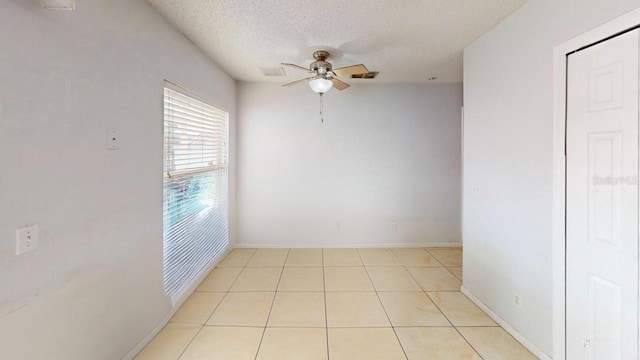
{"points": [[195, 195]]}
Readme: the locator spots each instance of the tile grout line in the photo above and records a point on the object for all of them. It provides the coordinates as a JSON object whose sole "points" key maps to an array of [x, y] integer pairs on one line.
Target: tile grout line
{"points": [[467, 341], [225, 295], [436, 259], [453, 326], [446, 267], [381, 304], [326, 315], [275, 293], [425, 291], [442, 312], [456, 276], [230, 286], [443, 265], [190, 342], [214, 310]]}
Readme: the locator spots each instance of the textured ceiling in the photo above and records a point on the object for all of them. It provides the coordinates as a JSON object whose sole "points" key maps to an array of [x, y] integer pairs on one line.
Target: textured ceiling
{"points": [[405, 40]]}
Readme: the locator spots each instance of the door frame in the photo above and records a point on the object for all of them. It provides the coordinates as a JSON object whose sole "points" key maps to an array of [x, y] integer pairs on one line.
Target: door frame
{"points": [[560, 55]]}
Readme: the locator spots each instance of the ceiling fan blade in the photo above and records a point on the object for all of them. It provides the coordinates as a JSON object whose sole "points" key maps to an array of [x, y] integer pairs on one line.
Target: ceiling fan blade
{"points": [[298, 81], [340, 85], [351, 70], [296, 67]]}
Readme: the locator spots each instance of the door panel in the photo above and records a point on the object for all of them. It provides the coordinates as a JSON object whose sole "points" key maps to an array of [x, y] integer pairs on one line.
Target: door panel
{"points": [[602, 200], [605, 208]]}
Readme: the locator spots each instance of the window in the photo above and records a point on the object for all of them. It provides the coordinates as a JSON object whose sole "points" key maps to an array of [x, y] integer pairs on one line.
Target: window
{"points": [[195, 215]]}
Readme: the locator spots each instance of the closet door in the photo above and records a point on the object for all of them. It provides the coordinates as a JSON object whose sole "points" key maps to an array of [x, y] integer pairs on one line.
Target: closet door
{"points": [[602, 200]]}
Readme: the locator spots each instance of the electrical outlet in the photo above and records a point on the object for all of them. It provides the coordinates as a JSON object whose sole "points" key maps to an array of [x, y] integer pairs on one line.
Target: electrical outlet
{"points": [[394, 227], [338, 225], [112, 139], [476, 191], [26, 239]]}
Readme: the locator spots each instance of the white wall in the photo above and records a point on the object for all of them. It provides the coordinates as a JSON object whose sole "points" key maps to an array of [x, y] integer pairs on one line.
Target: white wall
{"points": [[385, 153], [508, 152], [93, 289]]}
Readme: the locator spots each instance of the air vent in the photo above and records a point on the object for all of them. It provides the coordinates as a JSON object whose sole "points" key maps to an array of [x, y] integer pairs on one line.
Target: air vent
{"points": [[59, 4], [273, 72], [369, 75]]}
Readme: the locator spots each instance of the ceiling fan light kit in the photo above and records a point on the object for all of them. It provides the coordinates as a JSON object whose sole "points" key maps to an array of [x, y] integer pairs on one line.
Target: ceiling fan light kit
{"points": [[320, 85]]}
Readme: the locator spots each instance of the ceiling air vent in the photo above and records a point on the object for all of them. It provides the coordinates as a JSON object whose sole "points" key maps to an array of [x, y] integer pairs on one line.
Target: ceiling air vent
{"points": [[59, 4], [369, 75], [273, 72]]}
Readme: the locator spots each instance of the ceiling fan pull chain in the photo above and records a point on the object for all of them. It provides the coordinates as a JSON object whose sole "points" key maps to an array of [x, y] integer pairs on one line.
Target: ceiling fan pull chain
{"points": [[321, 109]]}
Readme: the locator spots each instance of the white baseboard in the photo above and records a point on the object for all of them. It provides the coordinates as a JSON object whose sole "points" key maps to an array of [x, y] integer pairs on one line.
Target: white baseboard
{"points": [[147, 339], [516, 335], [341, 246], [179, 301]]}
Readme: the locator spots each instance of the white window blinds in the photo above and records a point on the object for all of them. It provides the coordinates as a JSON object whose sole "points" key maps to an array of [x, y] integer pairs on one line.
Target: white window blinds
{"points": [[195, 215]]}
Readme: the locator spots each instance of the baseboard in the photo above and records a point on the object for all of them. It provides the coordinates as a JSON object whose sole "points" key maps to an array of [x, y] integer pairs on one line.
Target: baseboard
{"points": [[179, 301], [341, 246], [516, 335], [147, 339]]}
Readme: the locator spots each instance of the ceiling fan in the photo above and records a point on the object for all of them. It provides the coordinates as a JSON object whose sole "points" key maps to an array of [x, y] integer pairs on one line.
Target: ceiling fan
{"points": [[324, 75]]}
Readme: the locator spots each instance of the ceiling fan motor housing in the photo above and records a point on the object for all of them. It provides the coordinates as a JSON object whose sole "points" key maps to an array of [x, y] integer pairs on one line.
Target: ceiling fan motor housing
{"points": [[320, 66]]}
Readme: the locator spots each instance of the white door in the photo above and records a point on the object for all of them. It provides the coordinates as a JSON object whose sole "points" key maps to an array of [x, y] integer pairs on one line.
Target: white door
{"points": [[602, 201]]}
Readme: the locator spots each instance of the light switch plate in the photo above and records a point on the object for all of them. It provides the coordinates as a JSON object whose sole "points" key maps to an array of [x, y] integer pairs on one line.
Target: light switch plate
{"points": [[26, 239]]}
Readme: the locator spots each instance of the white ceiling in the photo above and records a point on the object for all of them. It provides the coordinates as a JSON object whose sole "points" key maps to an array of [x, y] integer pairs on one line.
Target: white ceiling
{"points": [[405, 40]]}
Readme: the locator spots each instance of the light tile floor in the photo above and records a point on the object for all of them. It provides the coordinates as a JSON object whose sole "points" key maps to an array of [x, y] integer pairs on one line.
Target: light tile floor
{"points": [[351, 304]]}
